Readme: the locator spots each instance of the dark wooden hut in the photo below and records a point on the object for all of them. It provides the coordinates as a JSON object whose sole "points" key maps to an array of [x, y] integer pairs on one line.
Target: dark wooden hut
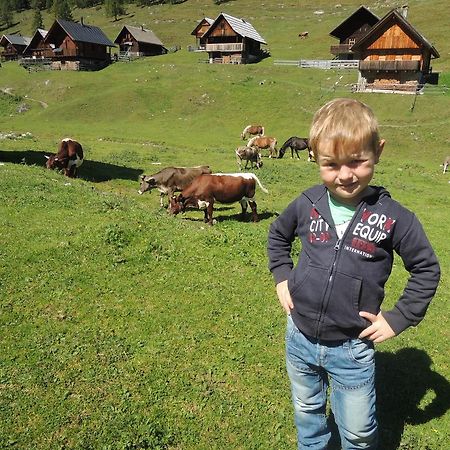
{"points": [[199, 31], [233, 40], [350, 30], [393, 54], [13, 46], [36, 48], [137, 42], [77, 46]]}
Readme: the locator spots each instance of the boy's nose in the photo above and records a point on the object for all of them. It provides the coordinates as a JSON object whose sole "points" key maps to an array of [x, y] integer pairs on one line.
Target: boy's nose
{"points": [[345, 173]]}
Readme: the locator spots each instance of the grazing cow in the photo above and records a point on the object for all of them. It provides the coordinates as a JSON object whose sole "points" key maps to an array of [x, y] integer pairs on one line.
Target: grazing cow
{"points": [[445, 164], [296, 144], [247, 154], [303, 35], [69, 157], [261, 142], [223, 188], [171, 179], [252, 130]]}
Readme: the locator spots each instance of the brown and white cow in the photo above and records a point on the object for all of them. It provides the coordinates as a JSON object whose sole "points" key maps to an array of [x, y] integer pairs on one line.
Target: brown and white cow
{"points": [[262, 142], [248, 154], [171, 179], [69, 157], [252, 130], [223, 188], [445, 164]]}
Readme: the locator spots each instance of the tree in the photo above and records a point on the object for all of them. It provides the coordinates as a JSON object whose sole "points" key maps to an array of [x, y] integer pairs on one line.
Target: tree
{"points": [[114, 8], [6, 15], [37, 21], [61, 10]]}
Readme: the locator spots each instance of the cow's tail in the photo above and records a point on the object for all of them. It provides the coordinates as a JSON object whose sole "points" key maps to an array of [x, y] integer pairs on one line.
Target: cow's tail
{"points": [[260, 185]]}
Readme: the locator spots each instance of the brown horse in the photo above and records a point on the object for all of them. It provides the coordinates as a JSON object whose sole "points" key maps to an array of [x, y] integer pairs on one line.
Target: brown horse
{"points": [[252, 130], [264, 142]]}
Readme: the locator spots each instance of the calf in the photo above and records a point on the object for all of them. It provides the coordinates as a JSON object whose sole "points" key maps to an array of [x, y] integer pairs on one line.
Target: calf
{"points": [[69, 157], [223, 188], [171, 179], [247, 154]]}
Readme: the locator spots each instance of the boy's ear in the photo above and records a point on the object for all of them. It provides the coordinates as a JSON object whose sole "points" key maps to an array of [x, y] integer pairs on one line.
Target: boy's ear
{"points": [[379, 150]]}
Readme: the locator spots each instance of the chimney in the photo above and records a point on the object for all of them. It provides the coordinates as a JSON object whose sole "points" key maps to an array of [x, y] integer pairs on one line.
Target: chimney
{"points": [[404, 11], [82, 22], [142, 27]]}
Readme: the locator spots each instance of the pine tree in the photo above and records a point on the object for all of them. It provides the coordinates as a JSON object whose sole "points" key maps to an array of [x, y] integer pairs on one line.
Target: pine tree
{"points": [[37, 21], [6, 15], [114, 8], [61, 10]]}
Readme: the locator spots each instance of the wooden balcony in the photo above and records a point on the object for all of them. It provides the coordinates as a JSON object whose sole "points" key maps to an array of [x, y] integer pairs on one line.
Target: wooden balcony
{"points": [[389, 66], [340, 49], [227, 47]]}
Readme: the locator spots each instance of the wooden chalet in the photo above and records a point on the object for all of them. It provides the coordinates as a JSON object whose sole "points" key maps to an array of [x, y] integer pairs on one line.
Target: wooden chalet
{"points": [[135, 42], [201, 28], [350, 30], [77, 46], [393, 54], [13, 46], [36, 47], [233, 40]]}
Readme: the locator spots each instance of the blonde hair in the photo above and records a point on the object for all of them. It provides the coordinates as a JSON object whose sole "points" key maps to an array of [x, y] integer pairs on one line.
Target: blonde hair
{"points": [[349, 125]]}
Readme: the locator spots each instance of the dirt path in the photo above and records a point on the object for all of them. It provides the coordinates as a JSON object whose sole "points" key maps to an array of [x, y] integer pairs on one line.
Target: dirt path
{"points": [[9, 91]]}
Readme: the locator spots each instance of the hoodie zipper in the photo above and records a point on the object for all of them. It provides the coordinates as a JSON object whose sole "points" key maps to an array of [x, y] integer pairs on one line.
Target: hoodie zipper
{"points": [[337, 250]]}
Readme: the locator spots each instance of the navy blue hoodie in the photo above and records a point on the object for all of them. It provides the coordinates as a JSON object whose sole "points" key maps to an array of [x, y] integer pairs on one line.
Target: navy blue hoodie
{"points": [[336, 278]]}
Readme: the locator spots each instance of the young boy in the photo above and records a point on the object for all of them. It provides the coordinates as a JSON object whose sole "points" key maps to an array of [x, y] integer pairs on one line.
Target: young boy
{"points": [[348, 231]]}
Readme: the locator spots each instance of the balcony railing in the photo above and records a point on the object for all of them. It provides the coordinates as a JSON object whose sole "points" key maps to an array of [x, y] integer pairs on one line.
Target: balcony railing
{"points": [[228, 47], [340, 49], [389, 66]]}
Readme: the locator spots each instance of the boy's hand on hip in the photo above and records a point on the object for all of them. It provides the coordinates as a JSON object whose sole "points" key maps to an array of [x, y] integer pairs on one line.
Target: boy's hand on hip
{"points": [[284, 296], [379, 331]]}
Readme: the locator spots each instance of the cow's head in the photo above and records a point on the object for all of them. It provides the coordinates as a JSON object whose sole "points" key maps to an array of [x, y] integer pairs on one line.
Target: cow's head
{"points": [[53, 162], [176, 205], [147, 183]]}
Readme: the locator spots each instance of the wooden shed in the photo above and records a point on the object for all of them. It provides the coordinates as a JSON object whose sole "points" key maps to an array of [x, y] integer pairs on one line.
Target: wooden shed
{"points": [[350, 30], [233, 40], [36, 48], [135, 42], [393, 54], [201, 28], [13, 46], [77, 46]]}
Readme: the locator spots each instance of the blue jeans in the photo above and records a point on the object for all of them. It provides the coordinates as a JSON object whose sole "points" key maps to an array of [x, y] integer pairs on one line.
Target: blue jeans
{"points": [[349, 367]]}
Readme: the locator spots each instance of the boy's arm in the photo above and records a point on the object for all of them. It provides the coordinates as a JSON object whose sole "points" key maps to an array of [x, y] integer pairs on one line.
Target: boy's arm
{"points": [[421, 263], [281, 236]]}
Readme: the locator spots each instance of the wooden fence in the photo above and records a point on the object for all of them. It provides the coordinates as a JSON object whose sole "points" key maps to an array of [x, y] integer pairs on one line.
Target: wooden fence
{"points": [[320, 63]]}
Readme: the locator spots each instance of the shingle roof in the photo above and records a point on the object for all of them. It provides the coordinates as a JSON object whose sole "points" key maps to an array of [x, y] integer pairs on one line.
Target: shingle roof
{"points": [[354, 21], [241, 27], [85, 33], [16, 39], [142, 35]]}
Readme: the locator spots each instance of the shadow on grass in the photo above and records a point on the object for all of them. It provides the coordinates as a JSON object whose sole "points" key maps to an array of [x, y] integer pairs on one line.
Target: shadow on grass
{"points": [[94, 171], [224, 218]]}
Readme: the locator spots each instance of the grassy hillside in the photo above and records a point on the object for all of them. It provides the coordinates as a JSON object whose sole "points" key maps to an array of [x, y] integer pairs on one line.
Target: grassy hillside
{"points": [[125, 328]]}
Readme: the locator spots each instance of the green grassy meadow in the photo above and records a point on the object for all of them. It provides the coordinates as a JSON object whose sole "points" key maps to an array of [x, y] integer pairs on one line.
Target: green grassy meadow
{"points": [[122, 327]]}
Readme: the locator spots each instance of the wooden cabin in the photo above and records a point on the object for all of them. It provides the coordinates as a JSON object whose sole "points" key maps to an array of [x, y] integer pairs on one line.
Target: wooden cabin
{"points": [[13, 46], [201, 28], [135, 42], [232, 40], [36, 47], [350, 30], [77, 46], [394, 55]]}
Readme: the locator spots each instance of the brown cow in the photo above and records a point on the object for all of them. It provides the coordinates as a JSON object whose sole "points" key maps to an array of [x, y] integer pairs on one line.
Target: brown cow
{"points": [[171, 179], [223, 188], [69, 157], [261, 142], [445, 164], [303, 35], [252, 130]]}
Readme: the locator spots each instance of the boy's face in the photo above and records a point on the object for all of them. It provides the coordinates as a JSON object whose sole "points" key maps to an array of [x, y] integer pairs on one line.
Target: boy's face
{"points": [[346, 175]]}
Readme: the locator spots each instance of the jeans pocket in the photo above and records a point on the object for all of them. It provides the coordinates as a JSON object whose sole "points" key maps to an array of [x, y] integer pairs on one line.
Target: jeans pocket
{"points": [[361, 351]]}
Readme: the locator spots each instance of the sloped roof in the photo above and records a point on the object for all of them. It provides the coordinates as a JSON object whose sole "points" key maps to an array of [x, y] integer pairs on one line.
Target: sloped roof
{"points": [[360, 17], [207, 19], [141, 35], [387, 21], [16, 39], [38, 35], [80, 32], [239, 26]]}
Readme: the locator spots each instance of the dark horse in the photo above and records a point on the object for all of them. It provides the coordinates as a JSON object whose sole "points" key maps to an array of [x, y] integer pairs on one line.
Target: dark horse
{"points": [[297, 144]]}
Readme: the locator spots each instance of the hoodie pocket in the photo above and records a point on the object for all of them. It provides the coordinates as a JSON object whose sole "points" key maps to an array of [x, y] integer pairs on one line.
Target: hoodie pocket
{"points": [[342, 309]]}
